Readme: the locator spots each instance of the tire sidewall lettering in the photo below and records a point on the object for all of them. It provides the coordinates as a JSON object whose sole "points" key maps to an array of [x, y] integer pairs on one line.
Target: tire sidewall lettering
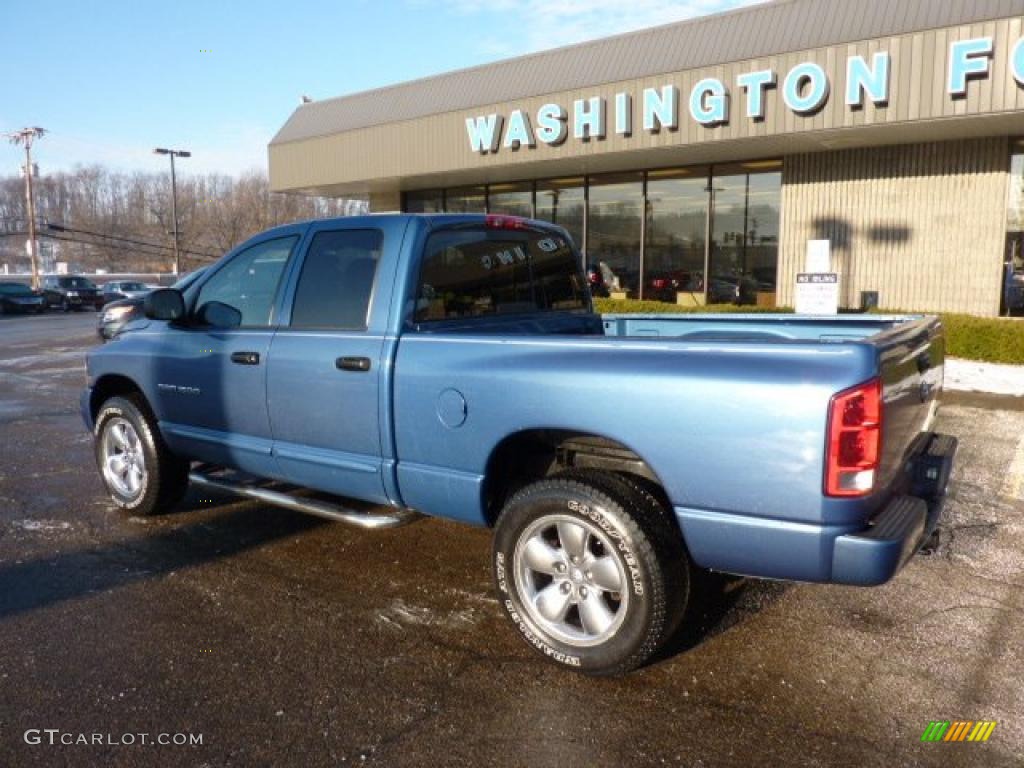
{"points": [[105, 415], [499, 572], [537, 642], [621, 542]]}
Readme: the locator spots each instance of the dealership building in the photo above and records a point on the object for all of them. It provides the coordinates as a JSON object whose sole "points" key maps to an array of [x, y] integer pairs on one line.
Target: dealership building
{"points": [[720, 147]]}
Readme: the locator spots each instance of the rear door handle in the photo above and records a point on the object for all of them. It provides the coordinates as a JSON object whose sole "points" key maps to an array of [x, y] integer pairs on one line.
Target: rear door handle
{"points": [[358, 364], [245, 358]]}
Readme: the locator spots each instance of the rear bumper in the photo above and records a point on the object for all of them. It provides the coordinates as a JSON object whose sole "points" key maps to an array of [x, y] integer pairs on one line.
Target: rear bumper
{"points": [[895, 534], [762, 547]]}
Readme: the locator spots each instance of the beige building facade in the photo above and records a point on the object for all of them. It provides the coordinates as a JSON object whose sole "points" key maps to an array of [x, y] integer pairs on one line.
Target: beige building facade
{"points": [[694, 162]]}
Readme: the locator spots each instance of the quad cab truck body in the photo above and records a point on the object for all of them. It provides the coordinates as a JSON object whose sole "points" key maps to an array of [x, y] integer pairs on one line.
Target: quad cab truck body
{"points": [[453, 365]]}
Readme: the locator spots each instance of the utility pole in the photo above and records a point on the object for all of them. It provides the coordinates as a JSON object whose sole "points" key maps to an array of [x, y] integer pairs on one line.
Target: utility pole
{"points": [[25, 137], [174, 198]]}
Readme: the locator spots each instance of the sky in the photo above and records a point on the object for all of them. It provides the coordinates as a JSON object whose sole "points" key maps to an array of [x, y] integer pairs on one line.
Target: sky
{"points": [[112, 80]]}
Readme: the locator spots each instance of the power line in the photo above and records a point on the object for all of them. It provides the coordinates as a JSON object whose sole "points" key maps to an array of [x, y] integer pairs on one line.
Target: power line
{"points": [[150, 249], [158, 254], [75, 230], [120, 238]]}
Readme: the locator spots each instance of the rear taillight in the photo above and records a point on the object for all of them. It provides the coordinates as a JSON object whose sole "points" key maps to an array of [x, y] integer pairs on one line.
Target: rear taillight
{"points": [[854, 449], [494, 221]]}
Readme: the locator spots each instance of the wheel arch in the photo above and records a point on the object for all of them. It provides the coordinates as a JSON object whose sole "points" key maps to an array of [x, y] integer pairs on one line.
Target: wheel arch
{"points": [[533, 454], [112, 385]]}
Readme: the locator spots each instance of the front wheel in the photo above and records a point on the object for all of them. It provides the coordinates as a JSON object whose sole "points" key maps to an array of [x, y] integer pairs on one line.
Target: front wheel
{"points": [[591, 571], [140, 472]]}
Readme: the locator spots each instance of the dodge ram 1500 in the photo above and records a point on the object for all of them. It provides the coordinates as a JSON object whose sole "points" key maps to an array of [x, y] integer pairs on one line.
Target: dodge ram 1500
{"points": [[452, 366]]}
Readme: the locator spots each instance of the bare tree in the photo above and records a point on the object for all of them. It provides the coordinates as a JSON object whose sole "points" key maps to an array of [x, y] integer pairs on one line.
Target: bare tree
{"points": [[122, 222]]}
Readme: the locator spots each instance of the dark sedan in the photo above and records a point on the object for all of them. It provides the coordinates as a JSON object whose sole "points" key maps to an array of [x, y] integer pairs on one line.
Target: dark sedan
{"points": [[67, 292], [19, 298]]}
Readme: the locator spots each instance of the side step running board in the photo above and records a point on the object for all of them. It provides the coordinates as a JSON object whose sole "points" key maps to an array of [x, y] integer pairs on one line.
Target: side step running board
{"points": [[323, 509]]}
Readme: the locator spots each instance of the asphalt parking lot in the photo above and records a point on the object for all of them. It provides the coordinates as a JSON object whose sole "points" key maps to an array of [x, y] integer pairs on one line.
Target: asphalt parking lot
{"points": [[282, 639]]}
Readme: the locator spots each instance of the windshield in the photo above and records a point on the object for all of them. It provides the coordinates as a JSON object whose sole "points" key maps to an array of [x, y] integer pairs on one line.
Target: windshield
{"points": [[14, 289], [188, 279], [134, 287], [75, 282]]}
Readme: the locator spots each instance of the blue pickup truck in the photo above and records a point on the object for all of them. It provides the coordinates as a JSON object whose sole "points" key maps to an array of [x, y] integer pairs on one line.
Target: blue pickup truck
{"points": [[453, 366]]}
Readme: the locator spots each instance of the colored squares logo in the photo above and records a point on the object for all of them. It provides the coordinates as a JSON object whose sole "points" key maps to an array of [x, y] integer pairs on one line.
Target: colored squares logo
{"points": [[958, 730]]}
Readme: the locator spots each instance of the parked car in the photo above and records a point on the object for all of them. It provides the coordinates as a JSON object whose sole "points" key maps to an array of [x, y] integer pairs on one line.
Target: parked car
{"points": [[124, 289], [452, 365], [116, 315], [20, 298], [666, 285], [67, 292]]}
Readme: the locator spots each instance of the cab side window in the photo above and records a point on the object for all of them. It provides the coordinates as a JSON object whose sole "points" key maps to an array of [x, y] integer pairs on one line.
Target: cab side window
{"points": [[337, 279], [248, 283]]}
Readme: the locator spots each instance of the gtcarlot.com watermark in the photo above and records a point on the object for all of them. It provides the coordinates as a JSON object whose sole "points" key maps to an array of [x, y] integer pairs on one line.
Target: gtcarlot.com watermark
{"points": [[56, 737]]}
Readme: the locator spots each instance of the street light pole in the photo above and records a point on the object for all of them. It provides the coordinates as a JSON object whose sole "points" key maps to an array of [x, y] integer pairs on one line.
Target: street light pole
{"points": [[26, 136], [174, 198]]}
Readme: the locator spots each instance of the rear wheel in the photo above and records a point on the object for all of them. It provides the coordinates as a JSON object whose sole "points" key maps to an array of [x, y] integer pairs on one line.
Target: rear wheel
{"points": [[140, 472], [591, 571]]}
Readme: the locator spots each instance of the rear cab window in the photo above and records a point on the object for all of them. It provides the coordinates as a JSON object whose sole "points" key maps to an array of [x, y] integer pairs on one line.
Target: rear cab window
{"points": [[479, 270]]}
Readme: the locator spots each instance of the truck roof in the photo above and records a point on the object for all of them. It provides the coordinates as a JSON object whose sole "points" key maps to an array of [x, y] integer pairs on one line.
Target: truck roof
{"points": [[433, 219]]}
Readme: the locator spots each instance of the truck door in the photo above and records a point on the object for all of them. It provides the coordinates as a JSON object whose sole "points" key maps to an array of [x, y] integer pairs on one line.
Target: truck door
{"points": [[325, 374], [210, 374]]}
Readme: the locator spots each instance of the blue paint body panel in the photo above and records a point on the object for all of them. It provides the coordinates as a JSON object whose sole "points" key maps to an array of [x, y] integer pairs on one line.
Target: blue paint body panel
{"points": [[728, 411]]}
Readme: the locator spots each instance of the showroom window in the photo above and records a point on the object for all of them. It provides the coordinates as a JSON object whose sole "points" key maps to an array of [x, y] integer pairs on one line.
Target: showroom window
{"points": [[654, 235], [614, 231], [466, 200], [428, 201], [563, 202], [677, 220], [511, 199], [1013, 262], [744, 248]]}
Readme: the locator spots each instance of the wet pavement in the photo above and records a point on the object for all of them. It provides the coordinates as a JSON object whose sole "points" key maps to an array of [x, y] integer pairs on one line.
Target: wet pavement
{"points": [[284, 640]]}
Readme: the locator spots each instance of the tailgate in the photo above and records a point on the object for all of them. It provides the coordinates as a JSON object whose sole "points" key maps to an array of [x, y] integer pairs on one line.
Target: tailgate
{"points": [[911, 361]]}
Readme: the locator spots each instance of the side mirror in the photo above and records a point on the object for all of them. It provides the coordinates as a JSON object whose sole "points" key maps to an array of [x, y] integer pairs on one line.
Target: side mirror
{"points": [[217, 314], [164, 304]]}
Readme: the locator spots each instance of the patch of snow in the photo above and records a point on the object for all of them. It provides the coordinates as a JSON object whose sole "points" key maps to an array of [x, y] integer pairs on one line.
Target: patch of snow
{"points": [[400, 613], [41, 525], [971, 376]]}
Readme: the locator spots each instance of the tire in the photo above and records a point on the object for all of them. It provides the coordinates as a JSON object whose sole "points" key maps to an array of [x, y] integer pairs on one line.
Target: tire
{"points": [[611, 617], [64, 306], [125, 425]]}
